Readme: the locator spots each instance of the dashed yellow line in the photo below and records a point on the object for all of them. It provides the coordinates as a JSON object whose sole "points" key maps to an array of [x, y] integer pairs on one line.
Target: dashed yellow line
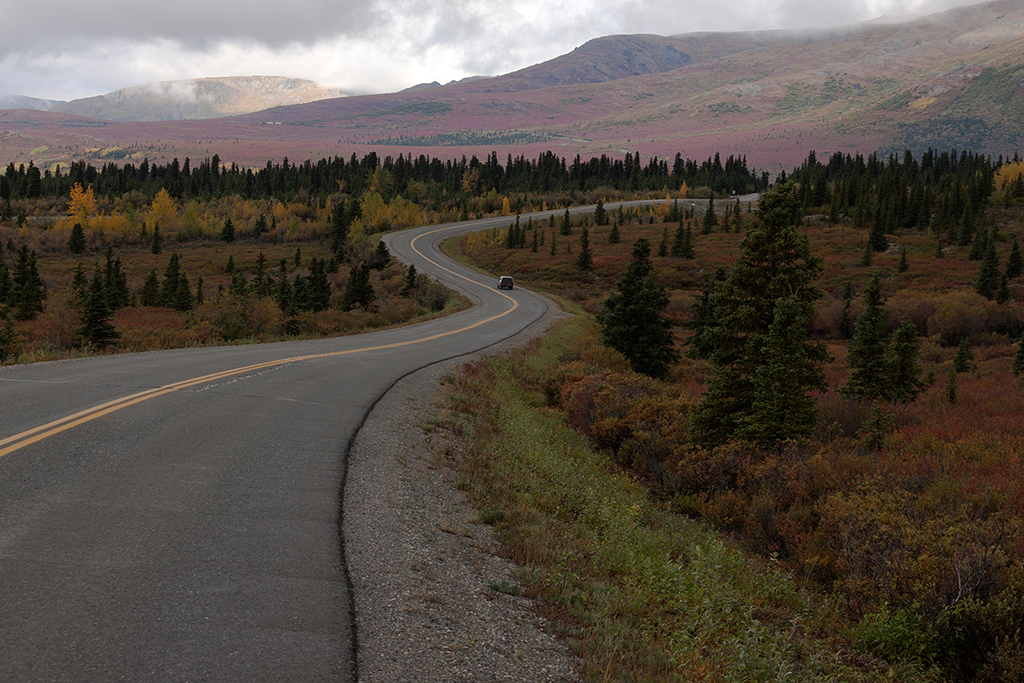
{"points": [[45, 431]]}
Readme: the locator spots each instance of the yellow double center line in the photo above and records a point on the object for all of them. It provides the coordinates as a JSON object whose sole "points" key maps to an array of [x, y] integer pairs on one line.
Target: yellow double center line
{"points": [[36, 434]]}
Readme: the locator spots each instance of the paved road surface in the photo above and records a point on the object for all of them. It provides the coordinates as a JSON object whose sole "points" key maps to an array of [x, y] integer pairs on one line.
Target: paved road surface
{"points": [[174, 516]]}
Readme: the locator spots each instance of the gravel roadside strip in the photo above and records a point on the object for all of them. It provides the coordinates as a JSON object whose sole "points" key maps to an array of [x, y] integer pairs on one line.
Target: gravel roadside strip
{"points": [[422, 566]]}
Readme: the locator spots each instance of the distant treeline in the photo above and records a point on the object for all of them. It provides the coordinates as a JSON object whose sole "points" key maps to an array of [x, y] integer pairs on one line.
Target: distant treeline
{"points": [[389, 176], [943, 190]]}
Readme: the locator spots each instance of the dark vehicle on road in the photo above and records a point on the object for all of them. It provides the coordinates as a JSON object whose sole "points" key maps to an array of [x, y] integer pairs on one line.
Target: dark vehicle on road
{"points": [[505, 282]]}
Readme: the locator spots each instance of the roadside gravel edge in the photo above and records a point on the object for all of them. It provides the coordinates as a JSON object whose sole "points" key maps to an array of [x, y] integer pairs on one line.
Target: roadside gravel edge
{"points": [[423, 568]]}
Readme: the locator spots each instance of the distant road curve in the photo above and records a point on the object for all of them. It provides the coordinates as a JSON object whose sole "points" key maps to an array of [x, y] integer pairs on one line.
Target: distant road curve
{"points": [[174, 516]]}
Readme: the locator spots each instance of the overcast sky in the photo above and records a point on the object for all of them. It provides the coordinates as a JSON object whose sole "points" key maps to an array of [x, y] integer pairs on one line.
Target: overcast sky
{"points": [[65, 49]]}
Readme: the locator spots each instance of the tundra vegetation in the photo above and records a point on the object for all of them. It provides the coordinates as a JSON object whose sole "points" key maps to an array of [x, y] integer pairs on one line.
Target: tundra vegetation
{"points": [[810, 471], [846, 411]]}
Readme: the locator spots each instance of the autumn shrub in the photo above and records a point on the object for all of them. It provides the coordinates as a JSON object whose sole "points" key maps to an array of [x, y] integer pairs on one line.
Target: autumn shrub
{"points": [[962, 314], [57, 326], [137, 339], [234, 318], [431, 295]]}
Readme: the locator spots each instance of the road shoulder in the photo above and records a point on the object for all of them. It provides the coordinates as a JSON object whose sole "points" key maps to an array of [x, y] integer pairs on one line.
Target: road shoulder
{"points": [[423, 568]]}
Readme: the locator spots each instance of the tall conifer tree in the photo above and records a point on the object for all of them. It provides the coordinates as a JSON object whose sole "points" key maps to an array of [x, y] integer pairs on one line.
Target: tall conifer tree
{"points": [[774, 265], [631, 321]]}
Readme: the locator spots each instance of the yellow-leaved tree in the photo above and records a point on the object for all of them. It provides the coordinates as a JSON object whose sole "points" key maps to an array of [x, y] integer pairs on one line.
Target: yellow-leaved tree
{"points": [[375, 211], [82, 203], [1008, 173], [162, 210]]}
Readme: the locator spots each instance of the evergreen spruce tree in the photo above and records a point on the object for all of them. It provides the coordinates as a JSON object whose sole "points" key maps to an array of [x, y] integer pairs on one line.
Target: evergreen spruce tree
{"points": [[300, 294], [200, 294], [511, 238], [381, 257], [339, 232], [359, 290], [150, 294], [79, 287], [951, 392], [903, 266], [866, 356], [988, 272], [978, 245], [76, 242], [5, 278], [28, 291], [229, 267], [965, 234], [319, 286], [553, 240], [283, 294], [239, 287], [782, 409], [704, 320], [157, 245], [1003, 291], [175, 291], [585, 260], [172, 277], [774, 265], [710, 217], [876, 238], [904, 372], [677, 241], [259, 228], [631, 321], [1015, 262], [1018, 360], [566, 224], [613, 235], [97, 330], [663, 245], [600, 215], [183, 300], [260, 279], [8, 338], [115, 281], [964, 359], [409, 283], [227, 233]]}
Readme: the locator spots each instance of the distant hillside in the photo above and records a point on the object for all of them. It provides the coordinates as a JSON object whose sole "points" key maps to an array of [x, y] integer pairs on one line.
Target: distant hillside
{"points": [[952, 80], [22, 102], [204, 98]]}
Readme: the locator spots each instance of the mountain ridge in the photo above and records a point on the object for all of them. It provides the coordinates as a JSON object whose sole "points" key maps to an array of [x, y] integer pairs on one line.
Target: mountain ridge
{"points": [[187, 99], [946, 80]]}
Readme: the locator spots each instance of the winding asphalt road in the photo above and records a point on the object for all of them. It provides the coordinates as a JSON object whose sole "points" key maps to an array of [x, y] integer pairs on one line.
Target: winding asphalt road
{"points": [[175, 516]]}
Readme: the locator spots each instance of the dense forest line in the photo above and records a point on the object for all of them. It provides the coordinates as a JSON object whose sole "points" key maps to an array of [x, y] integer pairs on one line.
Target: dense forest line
{"points": [[435, 179]]}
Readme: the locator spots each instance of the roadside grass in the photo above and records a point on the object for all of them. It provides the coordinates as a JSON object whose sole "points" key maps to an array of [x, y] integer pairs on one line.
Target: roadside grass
{"points": [[640, 593]]}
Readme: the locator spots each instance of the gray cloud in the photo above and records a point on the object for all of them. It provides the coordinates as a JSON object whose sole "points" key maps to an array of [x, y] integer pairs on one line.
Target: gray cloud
{"points": [[77, 49], [196, 24]]}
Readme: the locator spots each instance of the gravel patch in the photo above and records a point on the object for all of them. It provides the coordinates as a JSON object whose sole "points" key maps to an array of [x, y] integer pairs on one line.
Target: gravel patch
{"points": [[424, 570]]}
